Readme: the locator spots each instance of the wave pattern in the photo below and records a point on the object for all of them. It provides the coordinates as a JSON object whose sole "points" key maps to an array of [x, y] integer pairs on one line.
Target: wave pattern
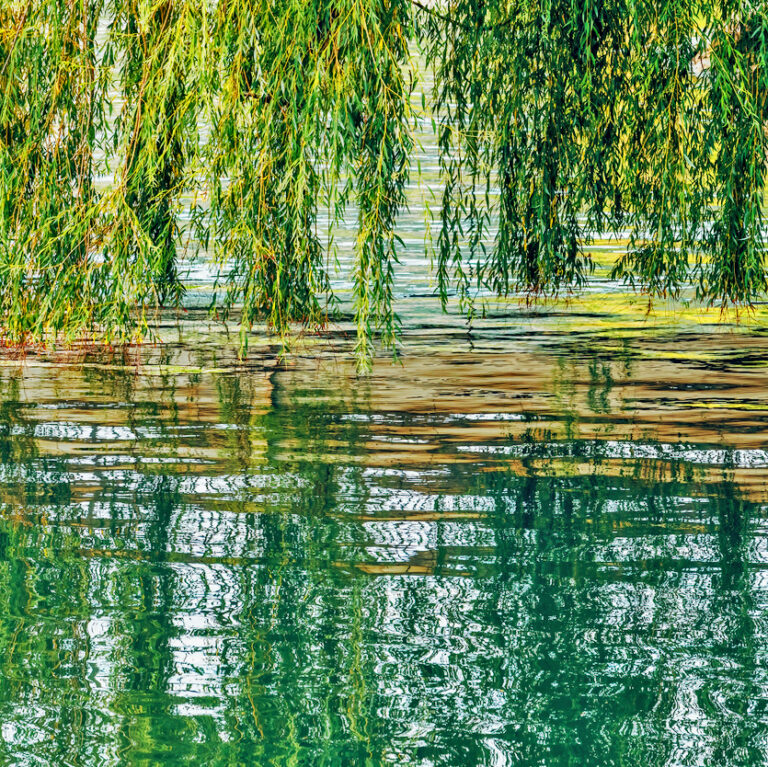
{"points": [[532, 561]]}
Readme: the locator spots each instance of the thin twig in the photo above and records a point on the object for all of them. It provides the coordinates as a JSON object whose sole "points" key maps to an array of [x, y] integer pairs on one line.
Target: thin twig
{"points": [[461, 24], [16, 38]]}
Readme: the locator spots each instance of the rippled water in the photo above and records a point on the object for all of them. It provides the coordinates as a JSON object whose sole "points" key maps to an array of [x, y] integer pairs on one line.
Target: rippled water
{"points": [[553, 551]]}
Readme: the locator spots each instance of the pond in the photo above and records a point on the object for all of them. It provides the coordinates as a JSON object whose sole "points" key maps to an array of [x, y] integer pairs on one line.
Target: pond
{"points": [[541, 543]]}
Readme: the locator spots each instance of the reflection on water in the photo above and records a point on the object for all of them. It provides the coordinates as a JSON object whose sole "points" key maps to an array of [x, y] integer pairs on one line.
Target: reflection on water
{"points": [[529, 559]]}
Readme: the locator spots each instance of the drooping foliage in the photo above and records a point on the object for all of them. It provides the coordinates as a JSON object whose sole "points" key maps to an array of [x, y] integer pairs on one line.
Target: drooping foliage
{"points": [[565, 118], [309, 109], [132, 131]]}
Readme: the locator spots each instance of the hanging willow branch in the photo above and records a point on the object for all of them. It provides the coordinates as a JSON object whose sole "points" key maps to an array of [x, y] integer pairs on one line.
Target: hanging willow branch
{"points": [[556, 120]]}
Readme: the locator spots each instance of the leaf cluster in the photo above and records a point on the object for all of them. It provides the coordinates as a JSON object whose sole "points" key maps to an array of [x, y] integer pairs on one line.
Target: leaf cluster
{"points": [[132, 131]]}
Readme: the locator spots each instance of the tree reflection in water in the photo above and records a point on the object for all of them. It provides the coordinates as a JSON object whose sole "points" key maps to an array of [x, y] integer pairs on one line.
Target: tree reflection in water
{"points": [[297, 567]]}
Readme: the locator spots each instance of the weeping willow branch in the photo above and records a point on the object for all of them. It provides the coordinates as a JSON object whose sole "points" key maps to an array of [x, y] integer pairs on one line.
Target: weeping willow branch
{"points": [[556, 120], [444, 18]]}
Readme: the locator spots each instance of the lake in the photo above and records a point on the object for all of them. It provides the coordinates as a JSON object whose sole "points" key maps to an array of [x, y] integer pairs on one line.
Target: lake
{"points": [[544, 542]]}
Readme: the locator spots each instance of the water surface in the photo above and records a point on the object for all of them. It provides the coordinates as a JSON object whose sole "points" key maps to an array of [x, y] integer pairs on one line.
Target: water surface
{"points": [[549, 551]]}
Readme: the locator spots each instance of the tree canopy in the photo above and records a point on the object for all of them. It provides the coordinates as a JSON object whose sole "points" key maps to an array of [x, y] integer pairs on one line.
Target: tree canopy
{"points": [[130, 127]]}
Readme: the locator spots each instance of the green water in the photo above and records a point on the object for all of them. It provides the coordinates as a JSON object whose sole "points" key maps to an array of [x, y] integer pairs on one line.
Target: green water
{"points": [[552, 554]]}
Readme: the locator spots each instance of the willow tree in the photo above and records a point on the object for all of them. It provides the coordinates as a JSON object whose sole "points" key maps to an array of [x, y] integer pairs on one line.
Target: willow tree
{"points": [[130, 128]]}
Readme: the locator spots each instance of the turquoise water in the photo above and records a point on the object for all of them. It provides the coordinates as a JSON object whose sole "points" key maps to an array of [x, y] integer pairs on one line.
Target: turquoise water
{"points": [[554, 552]]}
